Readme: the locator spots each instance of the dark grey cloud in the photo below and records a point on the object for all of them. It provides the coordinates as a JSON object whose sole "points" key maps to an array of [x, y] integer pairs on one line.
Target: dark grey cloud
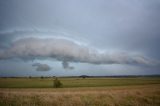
{"points": [[66, 65], [41, 67]]}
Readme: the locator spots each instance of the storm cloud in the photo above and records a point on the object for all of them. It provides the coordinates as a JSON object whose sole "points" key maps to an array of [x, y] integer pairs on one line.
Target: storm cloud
{"points": [[68, 51], [109, 37], [41, 67], [66, 65]]}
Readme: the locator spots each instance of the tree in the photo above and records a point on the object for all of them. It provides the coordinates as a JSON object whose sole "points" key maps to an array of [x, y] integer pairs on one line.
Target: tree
{"points": [[30, 77], [42, 77], [84, 76], [57, 83]]}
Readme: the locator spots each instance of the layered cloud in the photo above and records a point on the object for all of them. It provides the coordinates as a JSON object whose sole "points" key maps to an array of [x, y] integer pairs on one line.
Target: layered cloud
{"points": [[41, 67], [68, 51]]}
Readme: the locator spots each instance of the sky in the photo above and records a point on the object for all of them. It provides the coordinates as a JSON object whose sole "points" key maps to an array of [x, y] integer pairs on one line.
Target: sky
{"points": [[79, 37]]}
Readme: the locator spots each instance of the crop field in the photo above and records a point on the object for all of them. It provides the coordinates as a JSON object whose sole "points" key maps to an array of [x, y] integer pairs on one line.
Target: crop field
{"points": [[140, 91]]}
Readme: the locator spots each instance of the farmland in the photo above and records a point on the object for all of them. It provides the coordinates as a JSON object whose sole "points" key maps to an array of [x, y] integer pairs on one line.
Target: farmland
{"points": [[140, 91]]}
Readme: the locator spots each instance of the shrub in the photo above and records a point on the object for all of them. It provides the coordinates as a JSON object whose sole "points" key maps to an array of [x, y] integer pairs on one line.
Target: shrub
{"points": [[57, 83], [42, 77]]}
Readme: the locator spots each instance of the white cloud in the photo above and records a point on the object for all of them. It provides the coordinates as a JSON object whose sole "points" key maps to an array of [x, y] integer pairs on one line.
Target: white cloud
{"points": [[68, 51]]}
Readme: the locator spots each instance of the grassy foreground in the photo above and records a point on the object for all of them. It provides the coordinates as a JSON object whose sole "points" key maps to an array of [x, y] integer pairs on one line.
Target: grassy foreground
{"points": [[80, 92], [140, 95]]}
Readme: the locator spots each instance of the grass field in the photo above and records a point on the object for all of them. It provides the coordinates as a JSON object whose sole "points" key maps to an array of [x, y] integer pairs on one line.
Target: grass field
{"points": [[75, 82], [140, 91]]}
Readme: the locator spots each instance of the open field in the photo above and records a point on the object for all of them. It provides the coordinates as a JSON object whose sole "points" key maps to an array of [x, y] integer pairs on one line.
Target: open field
{"points": [[76, 82], [75, 92]]}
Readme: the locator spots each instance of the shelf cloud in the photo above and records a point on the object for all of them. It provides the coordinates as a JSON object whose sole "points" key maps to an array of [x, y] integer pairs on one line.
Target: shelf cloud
{"points": [[68, 51]]}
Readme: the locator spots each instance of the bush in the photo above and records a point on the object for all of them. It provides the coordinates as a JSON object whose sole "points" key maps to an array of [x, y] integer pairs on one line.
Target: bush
{"points": [[57, 83], [42, 77]]}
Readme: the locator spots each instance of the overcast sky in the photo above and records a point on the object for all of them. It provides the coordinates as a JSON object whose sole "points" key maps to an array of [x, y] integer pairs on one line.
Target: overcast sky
{"points": [[79, 37]]}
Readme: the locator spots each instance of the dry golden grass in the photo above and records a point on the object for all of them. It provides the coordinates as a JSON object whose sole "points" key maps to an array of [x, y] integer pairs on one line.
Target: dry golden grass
{"points": [[142, 95]]}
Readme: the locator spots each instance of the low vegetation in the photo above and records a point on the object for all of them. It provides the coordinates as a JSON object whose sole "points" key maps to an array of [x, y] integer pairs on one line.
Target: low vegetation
{"points": [[57, 83], [80, 92], [142, 95], [75, 82]]}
